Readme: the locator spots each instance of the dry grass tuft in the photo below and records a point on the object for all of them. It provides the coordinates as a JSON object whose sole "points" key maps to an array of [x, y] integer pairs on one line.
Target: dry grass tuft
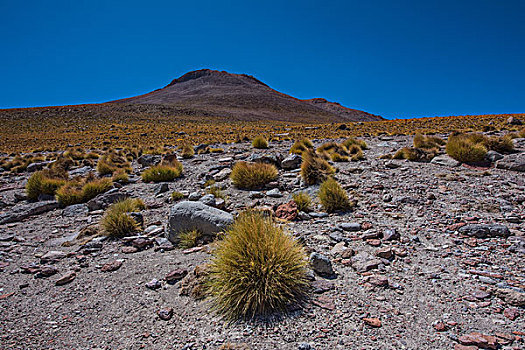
{"points": [[260, 142], [116, 221], [333, 197], [253, 175], [166, 171], [466, 148], [82, 190], [314, 169], [256, 269], [303, 201]]}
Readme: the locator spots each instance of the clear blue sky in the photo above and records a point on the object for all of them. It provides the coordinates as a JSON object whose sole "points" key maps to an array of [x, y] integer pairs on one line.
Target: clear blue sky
{"points": [[397, 59]]}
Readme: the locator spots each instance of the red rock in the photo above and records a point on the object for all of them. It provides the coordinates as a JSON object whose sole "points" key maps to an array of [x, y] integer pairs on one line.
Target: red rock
{"points": [[129, 250], [511, 313], [141, 243], [378, 280], [455, 227], [372, 322], [374, 242], [65, 279], [385, 253], [112, 266], [440, 326], [7, 295], [176, 275], [324, 302], [366, 226], [287, 211], [465, 347]]}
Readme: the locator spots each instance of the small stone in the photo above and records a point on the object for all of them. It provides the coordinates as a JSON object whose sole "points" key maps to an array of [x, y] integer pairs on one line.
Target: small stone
{"points": [[208, 199], [141, 243], [256, 194], [165, 314], [372, 322], [321, 286], [111, 266], [153, 284], [52, 256], [350, 226], [194, 196], [275, 193], [391, 235], [321, 264], [292, 161], [287, 211], [66, 278], [440, 326], [129, 250], [511, 313], [175, 276], [46, 271], [485, 230], [161, 188], [385, 253]]}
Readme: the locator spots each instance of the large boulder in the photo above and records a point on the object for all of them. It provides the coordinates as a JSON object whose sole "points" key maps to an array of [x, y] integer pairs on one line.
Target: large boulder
{"points": [[187, 216], [514, 162]]}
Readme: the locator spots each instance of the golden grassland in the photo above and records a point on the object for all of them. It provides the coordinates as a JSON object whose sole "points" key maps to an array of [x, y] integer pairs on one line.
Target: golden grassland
{"points": [[31, 129]]}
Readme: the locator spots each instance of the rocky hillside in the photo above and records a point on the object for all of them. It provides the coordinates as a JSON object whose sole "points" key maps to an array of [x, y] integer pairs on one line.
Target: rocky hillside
{"points": [[431, 256], [242, 97]]}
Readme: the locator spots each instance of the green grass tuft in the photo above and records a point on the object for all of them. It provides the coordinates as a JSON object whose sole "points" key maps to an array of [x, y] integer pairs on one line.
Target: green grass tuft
{"points": [[303, 201], [260, 142], [333, 197], [253, 175], [116, 222]]}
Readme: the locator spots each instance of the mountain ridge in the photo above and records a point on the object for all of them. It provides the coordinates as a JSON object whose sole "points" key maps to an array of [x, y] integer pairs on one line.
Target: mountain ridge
{"points": [[244, 97]]}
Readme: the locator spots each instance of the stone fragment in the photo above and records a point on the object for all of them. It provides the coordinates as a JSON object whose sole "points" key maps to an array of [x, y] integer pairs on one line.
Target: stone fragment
{"points": [[66, 278], [52, 256], [24, 210], [515, 162], [391, 235], [153, 284], [485, 230], [292, 161], [350, 226], [111, 266], [321, 264], [176, 275], [287, 211], [445, 160], [372, 322], [275, 193], [165, 314]]}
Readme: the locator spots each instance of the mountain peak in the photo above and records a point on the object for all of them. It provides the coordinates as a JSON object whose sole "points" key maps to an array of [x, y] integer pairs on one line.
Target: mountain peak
{"points": [[214, 74], [243, 97]]}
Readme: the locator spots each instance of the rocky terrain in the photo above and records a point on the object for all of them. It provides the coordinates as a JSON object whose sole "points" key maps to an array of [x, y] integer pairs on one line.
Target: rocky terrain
{"points": [[431, 257]]}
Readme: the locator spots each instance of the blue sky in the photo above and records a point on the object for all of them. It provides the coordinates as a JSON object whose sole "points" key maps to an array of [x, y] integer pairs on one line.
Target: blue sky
{"points": [[398, 59]]}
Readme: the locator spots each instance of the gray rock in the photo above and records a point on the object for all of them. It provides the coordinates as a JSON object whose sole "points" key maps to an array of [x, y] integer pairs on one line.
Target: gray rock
{"points": [[292, 161], [102, 201], [256, 194], [161, 188], [36, 166], [363, 262], [445, 160], [485, 230], [275, 193], [80, 171], [518, 244], [321, 264], [185, 216], [391, 235], [149, 160], [493, 156], [222, 175], [511, 297], [75, 210], [514, 121], [269, 158], [194, 196], [22, 211], [515, 162], [350, 226], [52, 256], [208, 199]]}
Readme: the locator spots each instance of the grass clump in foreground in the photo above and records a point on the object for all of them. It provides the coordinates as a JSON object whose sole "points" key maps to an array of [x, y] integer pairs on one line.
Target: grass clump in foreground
{"points": [[314, 169], [167, 171], [260, 142], [256, 269], [253, 175], [187, 151], [303, 201], [116, 222], [332, 196], [466, 148]]}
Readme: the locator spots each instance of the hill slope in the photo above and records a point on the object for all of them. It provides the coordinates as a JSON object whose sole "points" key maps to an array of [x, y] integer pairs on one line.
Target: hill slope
{"points": [[242, 97]]}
